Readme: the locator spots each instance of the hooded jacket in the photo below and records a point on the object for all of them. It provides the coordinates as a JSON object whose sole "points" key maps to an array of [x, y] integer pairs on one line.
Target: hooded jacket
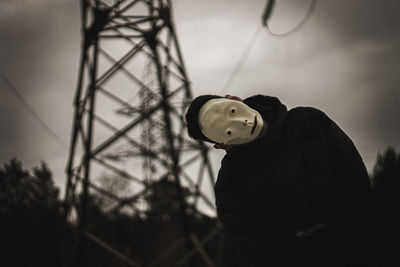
{"points": [[296, 195]]}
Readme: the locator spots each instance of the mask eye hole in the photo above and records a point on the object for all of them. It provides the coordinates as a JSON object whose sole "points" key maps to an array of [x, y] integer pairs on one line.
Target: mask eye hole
{"points": [[233, 110], [229, 132]]}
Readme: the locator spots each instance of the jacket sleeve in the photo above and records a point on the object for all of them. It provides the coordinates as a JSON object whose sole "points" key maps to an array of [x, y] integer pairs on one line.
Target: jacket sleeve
{"points": [[240, 223], [352, 179]]}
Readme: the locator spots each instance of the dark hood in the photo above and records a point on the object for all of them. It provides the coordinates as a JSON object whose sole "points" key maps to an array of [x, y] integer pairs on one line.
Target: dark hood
{"points": [[273, 112], [270, 108]]}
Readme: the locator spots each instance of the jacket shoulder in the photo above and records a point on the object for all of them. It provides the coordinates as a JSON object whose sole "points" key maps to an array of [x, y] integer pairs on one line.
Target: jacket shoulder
{"points": [[304, 124], [309, 112], [309, 116]]}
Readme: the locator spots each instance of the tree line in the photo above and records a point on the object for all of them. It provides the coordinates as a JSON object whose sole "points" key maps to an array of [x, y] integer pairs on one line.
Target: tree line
{"points": [[34, 231]]}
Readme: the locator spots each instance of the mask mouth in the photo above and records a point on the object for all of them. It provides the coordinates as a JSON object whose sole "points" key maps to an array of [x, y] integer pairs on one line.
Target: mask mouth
{"points": [[255, 125]]}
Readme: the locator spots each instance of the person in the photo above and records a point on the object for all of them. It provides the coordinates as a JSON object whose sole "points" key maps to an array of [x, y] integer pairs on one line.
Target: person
{"points": [[292, 188]]}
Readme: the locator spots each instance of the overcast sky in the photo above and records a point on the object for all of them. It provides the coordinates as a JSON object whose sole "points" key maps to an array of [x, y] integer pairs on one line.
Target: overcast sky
{"points": [[344, 61]]}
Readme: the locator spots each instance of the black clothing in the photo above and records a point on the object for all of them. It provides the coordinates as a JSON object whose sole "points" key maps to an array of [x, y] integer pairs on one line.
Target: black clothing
{"points": [[299, 195]]}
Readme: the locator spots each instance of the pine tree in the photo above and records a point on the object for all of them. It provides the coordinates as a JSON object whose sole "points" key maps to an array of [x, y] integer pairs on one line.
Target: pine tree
{"points": [[386, 185], [31, 222]]}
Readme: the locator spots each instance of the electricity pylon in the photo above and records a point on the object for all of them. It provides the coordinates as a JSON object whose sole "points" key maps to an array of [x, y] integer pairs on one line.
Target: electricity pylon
{"points": [[130, 100]]}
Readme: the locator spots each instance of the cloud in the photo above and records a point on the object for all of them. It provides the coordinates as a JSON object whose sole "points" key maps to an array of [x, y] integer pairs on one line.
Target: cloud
{"points": [[347, 54], [39, 50]]}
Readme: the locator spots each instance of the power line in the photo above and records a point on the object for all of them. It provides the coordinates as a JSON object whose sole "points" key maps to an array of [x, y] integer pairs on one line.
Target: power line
{"points": [[249, 46], [267, 13], [31, 111], [243, 57]]}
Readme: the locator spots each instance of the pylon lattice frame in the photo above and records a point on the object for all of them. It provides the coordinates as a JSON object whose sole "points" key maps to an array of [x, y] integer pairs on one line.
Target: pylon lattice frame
{"points": [[120, 36]]}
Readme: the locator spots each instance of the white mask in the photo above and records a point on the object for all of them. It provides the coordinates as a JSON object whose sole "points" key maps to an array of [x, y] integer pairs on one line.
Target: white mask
{"points": [[230, 122]]}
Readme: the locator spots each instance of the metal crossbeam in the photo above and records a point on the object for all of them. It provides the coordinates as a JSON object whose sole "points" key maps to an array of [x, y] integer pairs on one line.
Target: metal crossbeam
{"points": [[131, 95]]}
